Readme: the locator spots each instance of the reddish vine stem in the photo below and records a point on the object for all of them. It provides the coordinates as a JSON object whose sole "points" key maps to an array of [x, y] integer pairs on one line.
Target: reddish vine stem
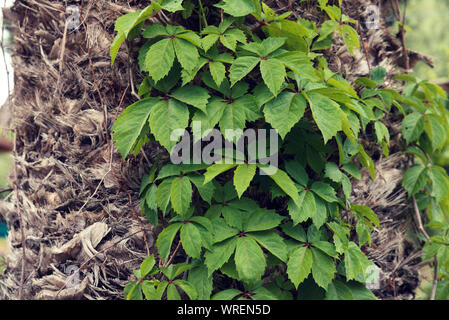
{"points": [[363, 45], [170, 260], [426, 235], [145, 239], [401, 19]]}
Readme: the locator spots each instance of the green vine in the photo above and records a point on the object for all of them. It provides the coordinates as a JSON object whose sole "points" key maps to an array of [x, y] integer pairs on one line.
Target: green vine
{"points": [[223, 237]]}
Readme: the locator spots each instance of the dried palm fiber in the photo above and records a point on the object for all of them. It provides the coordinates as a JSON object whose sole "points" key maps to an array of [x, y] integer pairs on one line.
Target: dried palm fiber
{"points": [[76, 197], [78, 201]]}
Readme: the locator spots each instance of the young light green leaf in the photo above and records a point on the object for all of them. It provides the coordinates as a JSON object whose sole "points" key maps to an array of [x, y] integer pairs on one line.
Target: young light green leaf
{"points": [[229, 41], [227, 294], [382, 133], [220, 254], [285, 183], [272, 242], [129, 124], [154, 30], [181, 194], [327, 247], [378, 75], [206, 191], [271, 44], [413, 126], [243, 175], [172, 5], [360, 291], [218, 71], [327, 28], [174, 270], [355, 261], [351, 38], [273, 74], [214, 112], [366, 82], [238, 8], [200, 279], [126, 22], [339, 235], [163, 192], [133, 291], [285, 111], [165, 239], [147, 265], [263, 219], [187, 287], [320, 216], [337, 290], [160, 290], [324, 191], [172, 292], [323, 268], [306, 208], [191, 240], [366, 212], [189, 75], [160, 58], [353, 170], [299, 265], [166, 117], [296, 232], [436, 132], [231, 36], [326, 114], [192, 95], [414, 179], [333, 172], [293, 31], [440, 183], [208, 41], [216, 169], [234, 117], [241, 67], [367, 162], [190, 36], [249, 259], [115, 46], [298, 62], [186, 53], [149, 290]]}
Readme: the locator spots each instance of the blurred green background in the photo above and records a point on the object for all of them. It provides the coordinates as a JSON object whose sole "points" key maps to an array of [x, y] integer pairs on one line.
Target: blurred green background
{"points": [[429, 24], [5, 168]]}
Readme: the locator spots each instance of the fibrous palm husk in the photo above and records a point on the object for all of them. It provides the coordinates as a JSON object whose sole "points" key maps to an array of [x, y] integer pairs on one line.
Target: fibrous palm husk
{"points": [[77, 200]]}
